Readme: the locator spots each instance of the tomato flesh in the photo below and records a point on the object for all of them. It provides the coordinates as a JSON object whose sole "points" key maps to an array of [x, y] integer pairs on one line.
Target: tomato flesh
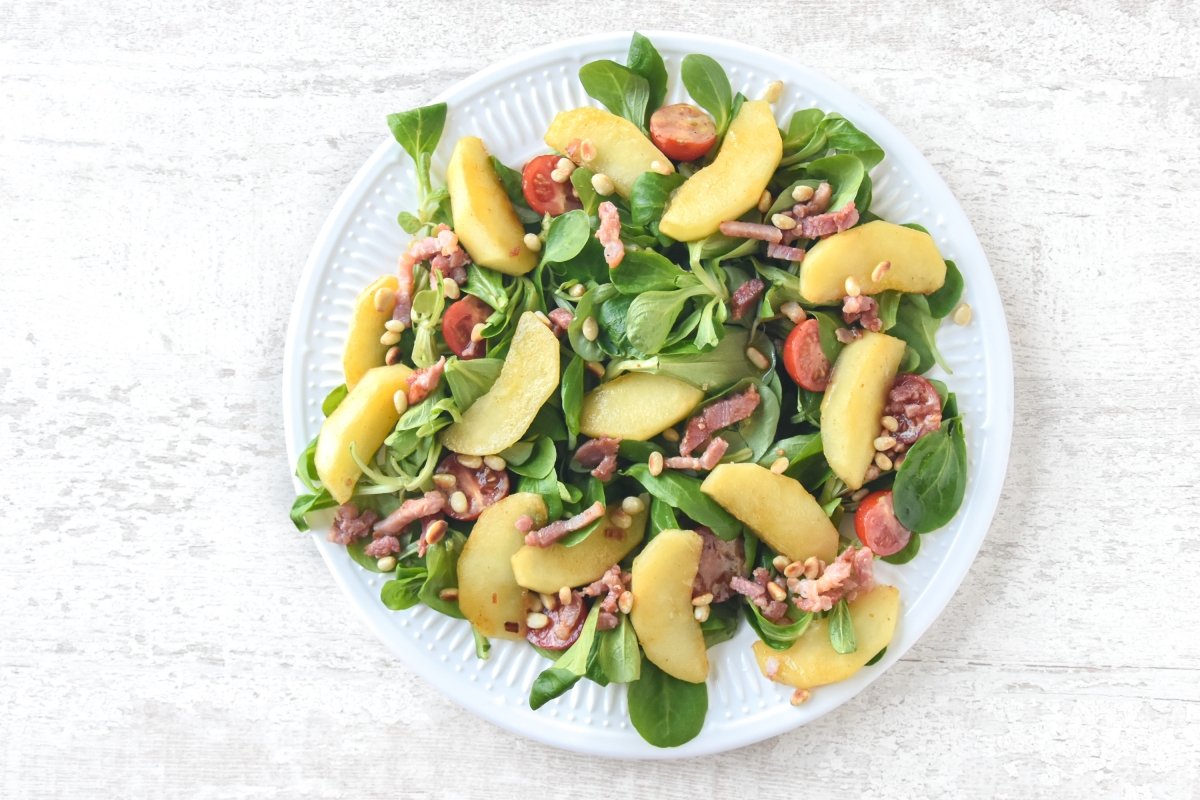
{"points": [[682, 131], [541, 192], [877, 527], [803, 357], [482, 486], [460, 319]]}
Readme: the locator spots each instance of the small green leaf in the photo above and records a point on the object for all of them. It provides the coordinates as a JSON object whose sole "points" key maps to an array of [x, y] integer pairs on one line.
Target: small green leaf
{"points": [[841, 628], [666, 711], [648, 198], [644, 60], [568, 234], [409, 223], [708, 85], [945, 299], [572, 394], [419, 130], [510, 179], [620, 89]]}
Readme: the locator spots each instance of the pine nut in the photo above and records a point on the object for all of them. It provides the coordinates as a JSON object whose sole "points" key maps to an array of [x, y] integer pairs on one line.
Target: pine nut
{"points": [[671, 435], [812, 567], [590, 329], [458, 502], [890, 424], [793, 570], [445, 481], [780, 562], [549, 601], [800, 697], [661, 168], [625, 602], [764, 202], [537, 620], [587, 150], [450, 289], [655, 463], [777, 592], [496, 463], [542, 318], [565, 164], [535, 603], [477, 331], [792, 310], [559, 176], [773, 91], [701, 613], [437, 529], [620, 519], [595, 367], [385, 299], [880, 270], [400, 401], [859, 495], [470, 462], [757, 358], [962, 314], [783, 222], [395, 325], [532, 242], [577, 291], [802, 194], [389, 338], [885, 443], [883, 462], [633, 505], [603, 184], [392, 356], [872, 473], [780, 465], [564, 595], [386, 564], [449, 594], [703, 599], [852, 287]]}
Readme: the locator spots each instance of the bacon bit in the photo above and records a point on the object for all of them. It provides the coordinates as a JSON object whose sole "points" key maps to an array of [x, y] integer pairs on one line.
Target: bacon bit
{"points": [[829, 224], [425, 380], [862, 309], [409, 512], [707, 460], [349, 525], [756, 592], [745, 296], [560, 319], [525, 523], [599, 455], [609, 234], [720, 561], [816, 204], [847, 335], [852, 574], [404, 293], [717, 416], [785, 253], [752, 230], [383, 546], [610, 586], [606, 621], [544, 537]]}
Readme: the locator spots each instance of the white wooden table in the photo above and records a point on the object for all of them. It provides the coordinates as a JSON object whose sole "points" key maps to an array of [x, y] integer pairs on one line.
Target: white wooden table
{"points": [[163, 632]]}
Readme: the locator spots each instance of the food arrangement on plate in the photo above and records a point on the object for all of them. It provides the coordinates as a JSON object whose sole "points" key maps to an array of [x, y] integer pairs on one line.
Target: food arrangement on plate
{"points": [[666, 376]]}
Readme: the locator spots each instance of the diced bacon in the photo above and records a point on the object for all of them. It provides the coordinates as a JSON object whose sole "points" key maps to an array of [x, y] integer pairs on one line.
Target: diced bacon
{"points": [[752, 230], [785, 253], [349, 525], [829, 224], [409, 512], [707, 460], [863, 310], [756, 592], [404, 293], [720, 562], [525, 523], [816, 204], [609, 587], [852, 574], [745, 297], [560, 319], [721, 414], [599, 455], [609, 234], [544, 537], [424, 380], [383, 546], [444, 253]]}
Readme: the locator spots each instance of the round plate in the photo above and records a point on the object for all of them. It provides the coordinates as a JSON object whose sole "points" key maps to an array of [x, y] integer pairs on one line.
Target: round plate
{"points": [[510, 105]]}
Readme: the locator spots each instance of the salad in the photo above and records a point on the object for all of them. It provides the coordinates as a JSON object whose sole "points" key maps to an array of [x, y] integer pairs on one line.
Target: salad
{"points": [[666, 377]]}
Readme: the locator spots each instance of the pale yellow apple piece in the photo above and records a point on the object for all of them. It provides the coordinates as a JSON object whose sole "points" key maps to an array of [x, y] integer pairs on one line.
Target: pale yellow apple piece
{"points": [[622, 152], [363, 350], [637, 406], [484, 217], [546, 569], [663, 616], [488, 594], [914, 263]]}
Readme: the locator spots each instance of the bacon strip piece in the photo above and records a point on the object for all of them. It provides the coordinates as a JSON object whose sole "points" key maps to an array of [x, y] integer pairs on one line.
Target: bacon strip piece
{"points": [[349, 525], [544, 537], [745, 296], [785, 253], [852, 574], [863, 310], [720, 414], [599, 455], [383, 546], [829, 224], [609, 234], [425, 380], [409, 512], [756, 592], [560, 320], [720, 562], [707, 460], [752, 230], [815, 204], [404, 293]]}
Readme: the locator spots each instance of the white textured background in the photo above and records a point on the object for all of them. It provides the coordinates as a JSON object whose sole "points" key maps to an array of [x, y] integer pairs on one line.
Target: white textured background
{"points": [[163, 631]]}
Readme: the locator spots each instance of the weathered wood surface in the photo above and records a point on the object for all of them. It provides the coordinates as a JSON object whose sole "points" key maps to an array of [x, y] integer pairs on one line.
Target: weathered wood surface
{"points": [[164, 169]]}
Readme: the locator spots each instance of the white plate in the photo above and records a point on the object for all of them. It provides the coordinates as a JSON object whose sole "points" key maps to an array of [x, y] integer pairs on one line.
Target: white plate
{"points": [[510, 105]]}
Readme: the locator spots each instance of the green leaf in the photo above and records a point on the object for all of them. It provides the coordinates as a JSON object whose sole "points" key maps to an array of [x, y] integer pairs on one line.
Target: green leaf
{"points": [[683, 493], [419, 130], [666, 711], [653, 314], [334, 399], [572, 394], [568, 234], [621, 90], [648, 199], [510, 179], [751, 438], [842, 136], [581, 179], [487, 285], [409, 223], [471, 379], [711, 370], [588, 350], [570, 666], [932, 480], [305, 504], [403, 591], [944, 300], [648, 271], [541, 463], [662, 518], [721, 625], [777, 635], [619, 659], [918, 328], [708, 85], [889, 307], [644, 60], [547, 487], [483, 648], [841, 629], [801, 128], [593, 494], [441, 561], [845, 174], [551, 683]]}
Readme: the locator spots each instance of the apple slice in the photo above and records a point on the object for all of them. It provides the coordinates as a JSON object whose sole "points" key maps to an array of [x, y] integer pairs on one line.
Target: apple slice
{"points": [[637, 406], [623, 152], [662, 615], [915, 263], [363, 348], [546, 569], [484, 218], [488, 593]]}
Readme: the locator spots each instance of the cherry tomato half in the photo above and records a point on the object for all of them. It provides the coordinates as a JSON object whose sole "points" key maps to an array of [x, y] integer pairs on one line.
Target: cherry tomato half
{"points": [[682, 131], [566, 620], [541, 192], [803, 357], [877, 527], [457, 323], [482, 485]]}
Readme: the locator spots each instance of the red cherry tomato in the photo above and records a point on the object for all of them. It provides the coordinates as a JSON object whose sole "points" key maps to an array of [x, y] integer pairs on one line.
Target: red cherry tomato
{"points": [[482, 485], [803, 357], [877, 526], [457, 323], [541, 192], [565, 624], [682, 131], [917, 407]]}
